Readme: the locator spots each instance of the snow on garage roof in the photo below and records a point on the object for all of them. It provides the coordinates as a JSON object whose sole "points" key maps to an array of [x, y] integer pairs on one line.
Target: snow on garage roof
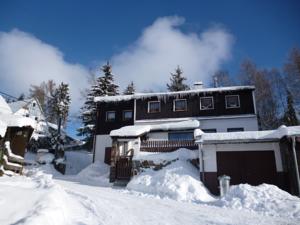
{"points": [[265, 135], [138, 130], [162, 95]]}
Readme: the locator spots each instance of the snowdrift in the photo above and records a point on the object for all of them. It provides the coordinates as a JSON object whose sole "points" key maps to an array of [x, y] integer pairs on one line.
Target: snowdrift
{"points": [[77, 161], [264, 199], [35, 200], [95, 174], [178, 181]]}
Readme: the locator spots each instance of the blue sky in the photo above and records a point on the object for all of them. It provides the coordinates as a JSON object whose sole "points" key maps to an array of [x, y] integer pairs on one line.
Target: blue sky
{"points": [[80, 35]]}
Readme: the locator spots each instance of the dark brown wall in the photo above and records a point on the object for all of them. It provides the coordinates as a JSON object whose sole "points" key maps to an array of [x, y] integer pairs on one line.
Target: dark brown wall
{"points": [[286, 150], [193, 105], [103, 126]]}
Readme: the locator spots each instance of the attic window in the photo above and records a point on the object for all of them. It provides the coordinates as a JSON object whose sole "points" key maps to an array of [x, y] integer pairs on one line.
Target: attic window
{"points": [[179, 105], [153, 106], [33, 104], [232, 101], [127, 115], [110, 116], [206, 103]]}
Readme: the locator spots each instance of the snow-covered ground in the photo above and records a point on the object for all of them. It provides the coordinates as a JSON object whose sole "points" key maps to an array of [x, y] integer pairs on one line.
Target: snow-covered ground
{"points": [[43, 196]]}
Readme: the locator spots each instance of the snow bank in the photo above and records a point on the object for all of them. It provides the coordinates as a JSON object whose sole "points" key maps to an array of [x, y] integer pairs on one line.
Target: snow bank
{"points": [[45, 158], [77, 161], [265, 199], [36, 200], [178, 181], [95, 174], [157, 158]]}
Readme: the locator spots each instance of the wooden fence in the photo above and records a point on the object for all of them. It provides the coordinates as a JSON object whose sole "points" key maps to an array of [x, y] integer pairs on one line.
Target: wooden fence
{"points": [[167, 145]]}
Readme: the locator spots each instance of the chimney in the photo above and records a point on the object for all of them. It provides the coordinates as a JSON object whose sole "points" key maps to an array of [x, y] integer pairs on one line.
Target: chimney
{"points": [[198, 85]]}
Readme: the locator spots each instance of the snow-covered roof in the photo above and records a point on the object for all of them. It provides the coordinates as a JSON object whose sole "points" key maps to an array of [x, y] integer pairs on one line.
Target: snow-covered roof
{"points": [[4, 107], [7, 119], [248, 135], [17, 121], [3, 127], [138, 130], [118, 98], [15, 106]]}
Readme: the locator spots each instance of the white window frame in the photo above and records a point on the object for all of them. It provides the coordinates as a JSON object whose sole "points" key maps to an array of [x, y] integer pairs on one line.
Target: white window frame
{"points": [[106, 119], [149, 106], [174, 105], [123, 116], [232, 107], [213, 104]]}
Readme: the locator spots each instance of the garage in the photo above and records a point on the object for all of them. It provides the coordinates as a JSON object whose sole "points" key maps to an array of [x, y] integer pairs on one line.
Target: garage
{"points": [[252, 167]]}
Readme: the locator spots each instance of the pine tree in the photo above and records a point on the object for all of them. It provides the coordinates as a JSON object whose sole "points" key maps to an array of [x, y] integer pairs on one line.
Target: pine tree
{"points": [[102, 86], [177, 81], [106, 83], [130, 89], [60, 102], [289, 117]]}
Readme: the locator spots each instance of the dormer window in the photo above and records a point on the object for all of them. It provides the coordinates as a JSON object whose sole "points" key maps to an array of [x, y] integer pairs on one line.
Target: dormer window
{"points": [[179, 105], [206, 103], [33, 104], [153, 106], [232, 101]]}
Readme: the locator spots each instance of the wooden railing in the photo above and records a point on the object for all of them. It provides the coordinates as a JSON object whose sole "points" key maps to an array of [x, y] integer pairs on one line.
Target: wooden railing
{"points": [[167, 145]]}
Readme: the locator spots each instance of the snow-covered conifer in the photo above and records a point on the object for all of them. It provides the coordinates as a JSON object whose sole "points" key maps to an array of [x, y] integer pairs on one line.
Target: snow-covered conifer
{"points": [[177, 81]]}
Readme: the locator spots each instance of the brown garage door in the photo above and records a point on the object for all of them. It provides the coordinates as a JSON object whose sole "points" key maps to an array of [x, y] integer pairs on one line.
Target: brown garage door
{"points": [[252, 167]]}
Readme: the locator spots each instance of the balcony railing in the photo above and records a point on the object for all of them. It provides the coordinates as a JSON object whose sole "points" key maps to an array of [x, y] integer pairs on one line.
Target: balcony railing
{"points": [[167, 145]]}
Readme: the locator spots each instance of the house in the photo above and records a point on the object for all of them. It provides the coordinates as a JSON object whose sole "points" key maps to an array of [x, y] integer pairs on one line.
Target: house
{"points": [[31, 108], [166, 121], [253, 157], [15, 132], [223, 109]]}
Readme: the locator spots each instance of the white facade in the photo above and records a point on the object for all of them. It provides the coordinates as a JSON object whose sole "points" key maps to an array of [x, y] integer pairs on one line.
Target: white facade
{"points": [[248, 123], [102, 142], [210, 152], [220, 123]]}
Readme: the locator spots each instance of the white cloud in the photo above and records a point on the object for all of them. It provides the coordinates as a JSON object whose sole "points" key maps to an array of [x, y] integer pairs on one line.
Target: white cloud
{"points": [[162, 46], [26, 60]]}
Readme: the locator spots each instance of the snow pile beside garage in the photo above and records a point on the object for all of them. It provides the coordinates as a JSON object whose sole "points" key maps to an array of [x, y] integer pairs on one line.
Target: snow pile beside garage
{"points": [[264, 199], [179, 181]]}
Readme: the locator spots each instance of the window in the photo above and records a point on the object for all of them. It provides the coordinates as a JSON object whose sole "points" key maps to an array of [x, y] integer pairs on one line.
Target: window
{"points": [[206, 103], [153, 106], [181, 135], [127, 115], [179, 105], [110, 116], [232, 101], [33, 104], [209, 130], [235, 129]]}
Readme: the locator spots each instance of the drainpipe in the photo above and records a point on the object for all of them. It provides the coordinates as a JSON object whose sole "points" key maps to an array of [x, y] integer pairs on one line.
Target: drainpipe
{"points": [[296, 164], [201, 163]]}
